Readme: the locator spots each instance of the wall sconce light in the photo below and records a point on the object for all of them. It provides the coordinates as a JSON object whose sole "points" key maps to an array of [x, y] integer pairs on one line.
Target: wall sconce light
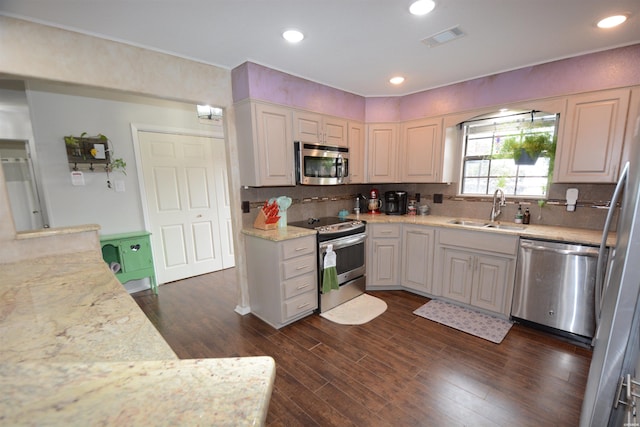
{"points": [[209, 113]]}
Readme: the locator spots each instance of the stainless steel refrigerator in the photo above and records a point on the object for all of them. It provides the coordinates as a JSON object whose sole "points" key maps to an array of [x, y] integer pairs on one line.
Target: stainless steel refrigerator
{"points": [[616, 343]]}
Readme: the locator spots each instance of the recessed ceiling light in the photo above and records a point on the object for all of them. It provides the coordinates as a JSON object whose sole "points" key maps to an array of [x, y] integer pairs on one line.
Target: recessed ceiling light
{"points": [[396, 80], [612, 21], [421, 7], [293, 36]]}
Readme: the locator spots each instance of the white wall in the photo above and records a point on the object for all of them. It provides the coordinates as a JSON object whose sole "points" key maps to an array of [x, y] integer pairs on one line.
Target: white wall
{"points": [[58, 110]]}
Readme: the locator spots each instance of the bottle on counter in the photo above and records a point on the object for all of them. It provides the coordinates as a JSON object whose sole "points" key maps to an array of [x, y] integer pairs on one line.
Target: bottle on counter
{"points": [[519, 215], [526, 218]]}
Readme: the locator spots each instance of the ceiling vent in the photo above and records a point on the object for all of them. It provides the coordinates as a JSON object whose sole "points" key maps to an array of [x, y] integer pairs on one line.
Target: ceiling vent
{"points": [[443, 37]]}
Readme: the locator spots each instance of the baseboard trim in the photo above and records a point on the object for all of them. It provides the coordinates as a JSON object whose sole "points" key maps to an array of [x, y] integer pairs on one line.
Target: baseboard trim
{"points": [[242, 310]]}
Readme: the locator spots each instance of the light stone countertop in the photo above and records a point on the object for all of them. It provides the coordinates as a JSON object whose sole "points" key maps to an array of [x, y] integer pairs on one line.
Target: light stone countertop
{"points": [[532, 231], [279, 234], [205, 392], [77, 350], [55, 231]]}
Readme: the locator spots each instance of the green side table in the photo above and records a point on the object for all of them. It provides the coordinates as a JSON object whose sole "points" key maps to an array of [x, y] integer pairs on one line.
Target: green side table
{"points": [[132, 252]]}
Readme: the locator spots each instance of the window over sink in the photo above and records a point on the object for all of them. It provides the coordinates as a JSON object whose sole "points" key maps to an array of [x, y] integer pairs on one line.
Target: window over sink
{"points": [[511, 150]]}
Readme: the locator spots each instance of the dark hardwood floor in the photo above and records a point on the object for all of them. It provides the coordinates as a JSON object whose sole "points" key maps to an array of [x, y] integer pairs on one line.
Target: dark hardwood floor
{"points": [[397, 370]]}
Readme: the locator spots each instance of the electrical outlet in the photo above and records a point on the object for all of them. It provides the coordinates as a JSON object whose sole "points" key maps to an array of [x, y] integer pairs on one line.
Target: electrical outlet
{"points": [[437, 198], [245, 206]]}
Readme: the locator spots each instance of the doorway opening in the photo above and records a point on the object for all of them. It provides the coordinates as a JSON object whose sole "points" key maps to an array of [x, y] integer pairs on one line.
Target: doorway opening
{"points": [[21, 184]]}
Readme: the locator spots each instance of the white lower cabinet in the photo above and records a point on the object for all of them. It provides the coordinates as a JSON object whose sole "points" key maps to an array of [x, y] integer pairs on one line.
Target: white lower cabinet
{"points": [[417, 257], [282, 278], [475, 268], [383, 256]]}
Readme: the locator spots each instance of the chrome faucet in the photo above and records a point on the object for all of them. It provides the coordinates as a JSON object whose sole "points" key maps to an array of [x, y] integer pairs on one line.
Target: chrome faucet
{"points": [[495, 212]]}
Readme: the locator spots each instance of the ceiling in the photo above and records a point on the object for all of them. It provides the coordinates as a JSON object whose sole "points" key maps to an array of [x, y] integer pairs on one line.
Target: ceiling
{"points": [[352, 45]]}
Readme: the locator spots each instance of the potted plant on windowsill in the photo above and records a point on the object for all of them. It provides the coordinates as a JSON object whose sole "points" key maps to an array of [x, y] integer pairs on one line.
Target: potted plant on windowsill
{"points": [[525, 149]]}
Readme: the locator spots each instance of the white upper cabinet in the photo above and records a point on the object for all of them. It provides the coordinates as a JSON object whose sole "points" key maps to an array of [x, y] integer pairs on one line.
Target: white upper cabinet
{"points": [[265, 145], [319, 129], [421, 151], [357, 153], [382, 149], [591, 145]]}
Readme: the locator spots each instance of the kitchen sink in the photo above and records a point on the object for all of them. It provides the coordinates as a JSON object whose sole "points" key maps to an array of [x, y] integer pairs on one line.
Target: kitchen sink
{"points": [[467, 223], [506, 227], [484, 224]]}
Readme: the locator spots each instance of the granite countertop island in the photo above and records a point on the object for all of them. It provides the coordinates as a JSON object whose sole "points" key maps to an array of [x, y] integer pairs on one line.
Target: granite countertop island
{"points": [[77, 350]]}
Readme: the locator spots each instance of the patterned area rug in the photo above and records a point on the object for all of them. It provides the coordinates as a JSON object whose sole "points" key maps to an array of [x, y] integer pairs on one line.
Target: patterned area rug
{"points": [[356, 311], [472, 322]]}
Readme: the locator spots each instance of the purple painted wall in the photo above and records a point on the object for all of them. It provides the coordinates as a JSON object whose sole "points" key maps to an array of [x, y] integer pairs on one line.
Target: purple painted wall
{"points": [[254, 81], [602, 70]]}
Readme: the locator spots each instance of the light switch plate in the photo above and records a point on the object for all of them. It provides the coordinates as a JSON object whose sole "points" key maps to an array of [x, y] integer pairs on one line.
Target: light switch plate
{"points": [[119, 185]]}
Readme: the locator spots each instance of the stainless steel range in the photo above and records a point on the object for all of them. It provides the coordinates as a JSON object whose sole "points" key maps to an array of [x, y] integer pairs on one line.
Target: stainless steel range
{"points": [[348, 238]]}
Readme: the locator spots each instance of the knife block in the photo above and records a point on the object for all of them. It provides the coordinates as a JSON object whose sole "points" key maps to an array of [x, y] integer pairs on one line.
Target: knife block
{"points": [[261, 222]]}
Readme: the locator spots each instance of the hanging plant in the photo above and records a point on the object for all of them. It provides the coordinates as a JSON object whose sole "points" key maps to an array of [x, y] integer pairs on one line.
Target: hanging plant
{"points": [[525, 149]]}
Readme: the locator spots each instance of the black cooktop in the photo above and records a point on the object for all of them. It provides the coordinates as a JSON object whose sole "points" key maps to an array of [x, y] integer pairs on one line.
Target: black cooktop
{"points": [[314, 223]]}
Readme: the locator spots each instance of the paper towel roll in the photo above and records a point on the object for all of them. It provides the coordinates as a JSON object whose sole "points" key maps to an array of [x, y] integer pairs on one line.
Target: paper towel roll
{"points": [[115, 267]]}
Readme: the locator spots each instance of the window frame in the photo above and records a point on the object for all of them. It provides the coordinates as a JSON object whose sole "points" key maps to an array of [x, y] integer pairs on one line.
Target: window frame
{"points": [[519, 176]]}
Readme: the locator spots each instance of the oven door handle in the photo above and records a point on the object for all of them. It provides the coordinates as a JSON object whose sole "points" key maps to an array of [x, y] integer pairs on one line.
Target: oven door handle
{"points": [[343, 242]]}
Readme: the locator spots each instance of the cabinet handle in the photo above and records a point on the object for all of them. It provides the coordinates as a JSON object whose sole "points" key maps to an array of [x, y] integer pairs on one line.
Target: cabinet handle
{"points": [[300, 249], [303, 305], [306, 285], [302, 267]]}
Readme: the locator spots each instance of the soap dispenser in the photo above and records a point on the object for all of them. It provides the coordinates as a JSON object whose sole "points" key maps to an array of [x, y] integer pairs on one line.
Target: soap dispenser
{"points": [[519, 215]]}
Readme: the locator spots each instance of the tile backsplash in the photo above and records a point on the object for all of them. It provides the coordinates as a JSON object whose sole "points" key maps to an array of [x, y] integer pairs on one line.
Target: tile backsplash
{"points": [[319, 201]]}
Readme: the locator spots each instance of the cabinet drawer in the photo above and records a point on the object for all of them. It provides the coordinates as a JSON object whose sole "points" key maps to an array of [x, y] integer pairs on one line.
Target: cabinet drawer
{"points": [[478, 240], [297, 266], [385, 230], [300, 304], [296, 247], [299, 285]]}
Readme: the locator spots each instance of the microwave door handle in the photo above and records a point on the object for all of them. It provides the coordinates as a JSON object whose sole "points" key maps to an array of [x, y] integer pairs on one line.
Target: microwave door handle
{"points": [[340, 166]]}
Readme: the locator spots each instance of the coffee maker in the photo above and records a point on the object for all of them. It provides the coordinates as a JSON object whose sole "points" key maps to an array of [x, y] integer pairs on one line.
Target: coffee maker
{"points": [[395, 202]]}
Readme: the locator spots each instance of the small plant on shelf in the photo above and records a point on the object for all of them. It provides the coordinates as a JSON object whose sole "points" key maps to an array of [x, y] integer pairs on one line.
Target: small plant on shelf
{"points": [[85, 149]]}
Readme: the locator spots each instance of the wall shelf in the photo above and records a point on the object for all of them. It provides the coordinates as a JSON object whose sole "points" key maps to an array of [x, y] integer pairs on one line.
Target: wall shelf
{"points": [[80, 153]]}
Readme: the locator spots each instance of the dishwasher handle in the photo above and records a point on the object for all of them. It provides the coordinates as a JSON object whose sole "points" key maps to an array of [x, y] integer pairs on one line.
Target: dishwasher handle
{"points": [[586, 251]]}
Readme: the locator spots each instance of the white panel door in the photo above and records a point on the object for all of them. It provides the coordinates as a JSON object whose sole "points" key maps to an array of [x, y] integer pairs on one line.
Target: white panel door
{"points": [[184, 192]]}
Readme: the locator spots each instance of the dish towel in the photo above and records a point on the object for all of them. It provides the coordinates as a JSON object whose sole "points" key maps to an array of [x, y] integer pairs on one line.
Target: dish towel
{"points": [[329, 272]]}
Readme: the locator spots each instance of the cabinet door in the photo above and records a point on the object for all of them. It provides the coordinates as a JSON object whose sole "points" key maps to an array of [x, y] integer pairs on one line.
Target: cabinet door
{"points": [[307, 127], [136, 254], [591, 147], [457, 274], [417, 257], [421, 151], [490, 282], [274, 145], [356, 153], [335, 132], [382, 268], [382, 147]]}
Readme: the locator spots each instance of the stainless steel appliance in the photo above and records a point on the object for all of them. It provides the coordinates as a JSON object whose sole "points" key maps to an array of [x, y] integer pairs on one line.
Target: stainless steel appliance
{"points": [[318, 164], [395, 202], [555, 285], [348, 238], [616, 344]]}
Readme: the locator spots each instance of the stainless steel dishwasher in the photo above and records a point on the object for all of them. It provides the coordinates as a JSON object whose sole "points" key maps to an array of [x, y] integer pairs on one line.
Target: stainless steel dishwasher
{"points": [[554, 286]]}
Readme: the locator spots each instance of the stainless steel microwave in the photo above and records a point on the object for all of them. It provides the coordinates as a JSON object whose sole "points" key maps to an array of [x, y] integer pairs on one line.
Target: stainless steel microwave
{"points": [[318, 164]]}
